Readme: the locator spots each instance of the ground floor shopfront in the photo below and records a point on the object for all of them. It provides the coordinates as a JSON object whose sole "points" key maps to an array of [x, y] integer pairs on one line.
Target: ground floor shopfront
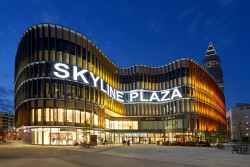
{"points": [[70, 135]]}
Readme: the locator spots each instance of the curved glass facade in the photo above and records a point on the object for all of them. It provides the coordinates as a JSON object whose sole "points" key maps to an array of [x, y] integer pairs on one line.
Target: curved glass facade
{"points": [[67, 90]]}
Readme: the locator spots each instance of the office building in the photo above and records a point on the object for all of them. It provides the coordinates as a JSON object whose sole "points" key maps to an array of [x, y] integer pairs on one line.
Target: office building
{"points": [[212, 64], [240, 115]]}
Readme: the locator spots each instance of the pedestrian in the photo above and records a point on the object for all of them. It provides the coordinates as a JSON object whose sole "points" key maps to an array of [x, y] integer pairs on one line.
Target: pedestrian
{"points": [[128, 142], [145, 141], [124, 142]]}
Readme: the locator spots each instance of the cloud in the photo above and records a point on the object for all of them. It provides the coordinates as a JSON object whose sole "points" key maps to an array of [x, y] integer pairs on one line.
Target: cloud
{"points": [[6, 105], [210, 23], [47, 17], [6, 99], [194, 23], [6, 75], [227, 41], [224, 3], [154, 26], [14, 31], [186, 12], [6, 92]]}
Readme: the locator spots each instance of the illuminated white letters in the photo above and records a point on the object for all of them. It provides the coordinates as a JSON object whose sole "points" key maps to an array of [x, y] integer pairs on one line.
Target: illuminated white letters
{"points": [[102, 87], [165, 94], [112, 92], [63, 71], [154, 96], [80, 73], [141, 97], [176, 93], [133, 95], [119, 96], [94, 79], [58, 68]]}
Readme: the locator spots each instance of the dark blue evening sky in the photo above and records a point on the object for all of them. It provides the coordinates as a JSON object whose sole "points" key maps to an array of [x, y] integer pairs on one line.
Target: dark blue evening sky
{"points": [[152, 32]]}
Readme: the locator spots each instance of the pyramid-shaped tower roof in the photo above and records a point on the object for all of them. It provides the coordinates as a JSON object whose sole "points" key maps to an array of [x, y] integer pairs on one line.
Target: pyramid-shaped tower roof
{"points": [[210, 50]]}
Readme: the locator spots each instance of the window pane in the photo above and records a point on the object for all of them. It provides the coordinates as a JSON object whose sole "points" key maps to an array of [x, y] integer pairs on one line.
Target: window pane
{"points": [[32, 115], [51, 114], [69, 115], [82, 117], [77, 116], [60, 115], [47, 114], [39, 114]]}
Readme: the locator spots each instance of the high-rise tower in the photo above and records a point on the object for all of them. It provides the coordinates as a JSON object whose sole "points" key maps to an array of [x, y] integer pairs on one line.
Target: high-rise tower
{"points": [[212, 64]]}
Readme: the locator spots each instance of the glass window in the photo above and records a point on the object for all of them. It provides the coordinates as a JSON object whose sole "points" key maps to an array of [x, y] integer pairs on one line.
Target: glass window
{"points": [[60, 115], [61, 90], [39, 114], [46, 136], [47, 89], [32, 115], [179, 123], [68, 90], [69, 115], [72, 48], [88, 118], [135, 125], [82, 117], [74, 91], [107, 123], [51, 114], [47, 114], [78, 116], [96, 120], [59, 44], [115, 125], [55, 115]]}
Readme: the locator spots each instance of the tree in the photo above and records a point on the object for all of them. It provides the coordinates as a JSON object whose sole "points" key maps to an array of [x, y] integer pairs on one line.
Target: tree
{"points": [[207, 135], [86, 129], [229, 133], [240, 127], [220, 133]]}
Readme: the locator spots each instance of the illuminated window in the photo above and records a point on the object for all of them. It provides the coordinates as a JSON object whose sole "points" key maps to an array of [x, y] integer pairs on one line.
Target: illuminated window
{"points": [[135, 125], [107, 123], [119, 124], [47, 114], [96, 120], [32, 115], [51, 114], [88, 118], [39, 114], [69, 115], [60, 115], [82, 117], [114, 124], [78, 116]]}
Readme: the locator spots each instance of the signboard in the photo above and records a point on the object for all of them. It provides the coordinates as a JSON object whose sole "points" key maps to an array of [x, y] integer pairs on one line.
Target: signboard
{"points": [[93, 140], [138, 95]]}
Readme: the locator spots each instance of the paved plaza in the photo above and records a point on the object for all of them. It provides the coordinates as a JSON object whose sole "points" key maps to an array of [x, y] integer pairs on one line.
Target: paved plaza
{"points": [[15, 153]]}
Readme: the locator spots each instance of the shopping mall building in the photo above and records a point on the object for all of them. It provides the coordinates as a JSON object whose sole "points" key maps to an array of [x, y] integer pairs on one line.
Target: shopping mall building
{"points": [[67, 89]]}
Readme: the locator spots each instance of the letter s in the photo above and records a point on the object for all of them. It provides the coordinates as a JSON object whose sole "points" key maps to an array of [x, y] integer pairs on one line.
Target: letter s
{"points": [[62, 68]]}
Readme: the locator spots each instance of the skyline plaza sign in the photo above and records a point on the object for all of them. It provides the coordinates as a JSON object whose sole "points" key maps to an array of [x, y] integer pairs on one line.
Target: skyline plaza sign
{"points": [[74, 73]]}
